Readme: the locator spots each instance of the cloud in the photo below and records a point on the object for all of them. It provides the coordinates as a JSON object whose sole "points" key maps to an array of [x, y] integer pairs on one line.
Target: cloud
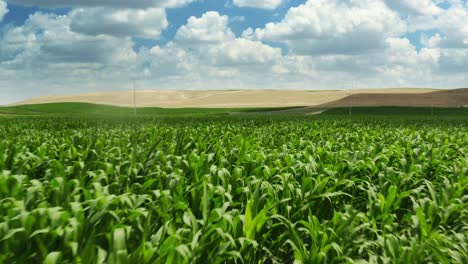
{"points": [[450, 36], [218, 44], [450, 40], [401, 51], [103, 3], [144, 23], [211, 27], [453, 26], [47, 39], [398, 56], [415, 7], [264, 4], [204, 50], [453, 61], [333, 27], [3, 10], [237, 19], [244, 52]]}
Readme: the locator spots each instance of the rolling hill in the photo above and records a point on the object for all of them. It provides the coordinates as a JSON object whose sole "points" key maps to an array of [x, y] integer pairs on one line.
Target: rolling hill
{"points": [[251, 98], [446, 98]]}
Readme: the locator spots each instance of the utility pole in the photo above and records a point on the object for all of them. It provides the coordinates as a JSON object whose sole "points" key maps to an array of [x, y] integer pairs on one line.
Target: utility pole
{"points": [[432, 98], [432, 103], [351, 99], [134, 98]]}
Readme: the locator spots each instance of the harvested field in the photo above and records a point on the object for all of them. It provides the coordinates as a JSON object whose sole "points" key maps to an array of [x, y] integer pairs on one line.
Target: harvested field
{"points": [[220, 99], [449, 98]]}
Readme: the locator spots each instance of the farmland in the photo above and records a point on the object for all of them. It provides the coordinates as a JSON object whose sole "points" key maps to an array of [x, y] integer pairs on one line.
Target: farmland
{"points": [[234, 189]]}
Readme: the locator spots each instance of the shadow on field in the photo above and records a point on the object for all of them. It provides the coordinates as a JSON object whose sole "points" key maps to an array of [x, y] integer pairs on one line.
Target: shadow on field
{"points": [[450, 102]]}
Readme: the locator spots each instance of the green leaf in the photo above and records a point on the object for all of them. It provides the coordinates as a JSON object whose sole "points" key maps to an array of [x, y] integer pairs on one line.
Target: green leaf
{"points": [[53, 258]]}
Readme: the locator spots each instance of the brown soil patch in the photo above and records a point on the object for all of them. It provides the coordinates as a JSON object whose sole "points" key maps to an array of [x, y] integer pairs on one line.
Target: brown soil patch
{"points": [[449, 98]]}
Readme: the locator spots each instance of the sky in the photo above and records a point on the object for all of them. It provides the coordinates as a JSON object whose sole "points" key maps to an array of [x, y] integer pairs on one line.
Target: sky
{"points": [[70, 47]]}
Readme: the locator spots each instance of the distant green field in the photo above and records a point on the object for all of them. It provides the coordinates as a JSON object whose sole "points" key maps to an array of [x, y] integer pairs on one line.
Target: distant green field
{"points": [[94, 109], [385, 111], [87, 109]]}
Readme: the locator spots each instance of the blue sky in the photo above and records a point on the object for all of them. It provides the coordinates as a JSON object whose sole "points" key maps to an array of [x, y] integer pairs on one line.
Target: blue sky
{"points": [[62, 47]]}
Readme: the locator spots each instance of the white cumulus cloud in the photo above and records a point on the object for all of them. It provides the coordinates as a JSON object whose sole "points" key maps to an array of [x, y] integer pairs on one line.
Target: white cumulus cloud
{"points": [[453, 25], [102, 3], [3, 10], [334, 27], [205, 50], [144, 23], [244, 51], [211, 27], [46, 39], [218, 45], [264, 4]]}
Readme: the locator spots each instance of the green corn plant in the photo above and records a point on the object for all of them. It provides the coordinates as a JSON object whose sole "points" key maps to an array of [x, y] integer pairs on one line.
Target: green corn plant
{"points": [[233, 189]]}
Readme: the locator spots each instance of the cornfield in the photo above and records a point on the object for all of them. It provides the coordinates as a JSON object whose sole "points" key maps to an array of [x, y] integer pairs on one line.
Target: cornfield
{"points": [[253, 190]]}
